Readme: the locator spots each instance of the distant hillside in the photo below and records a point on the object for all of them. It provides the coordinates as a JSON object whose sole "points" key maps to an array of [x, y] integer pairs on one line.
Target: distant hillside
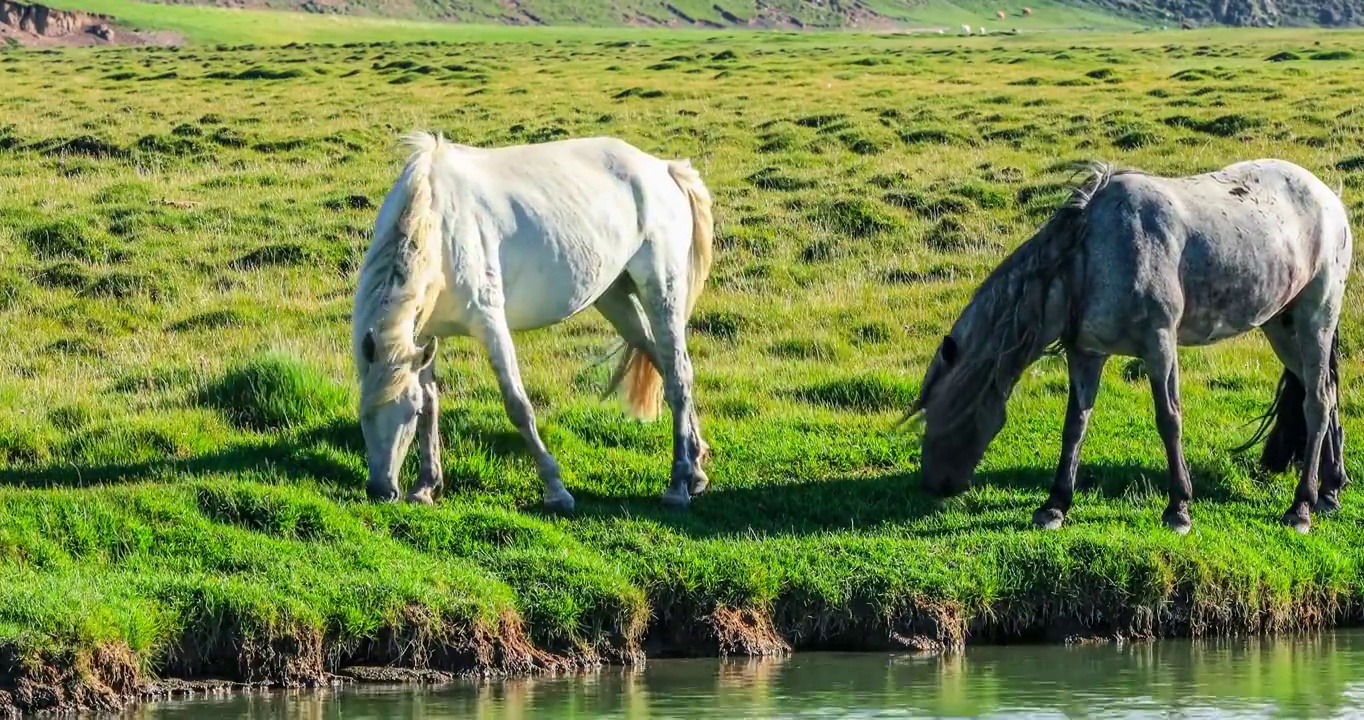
{"points": [[796, 14]]}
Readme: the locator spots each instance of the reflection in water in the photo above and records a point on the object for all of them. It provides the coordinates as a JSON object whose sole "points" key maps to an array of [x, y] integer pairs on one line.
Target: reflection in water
{"points": [[1322, 676]]}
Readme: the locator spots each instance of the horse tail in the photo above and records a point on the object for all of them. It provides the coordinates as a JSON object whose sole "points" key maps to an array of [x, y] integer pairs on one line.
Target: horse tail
{"points": [[401, 269], [1283, 426], [702, 227], [642, 381]]}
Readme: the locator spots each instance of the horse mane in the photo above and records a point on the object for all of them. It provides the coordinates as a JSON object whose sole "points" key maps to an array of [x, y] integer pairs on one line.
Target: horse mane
{"points": [[1008, 310], [400, 274]]}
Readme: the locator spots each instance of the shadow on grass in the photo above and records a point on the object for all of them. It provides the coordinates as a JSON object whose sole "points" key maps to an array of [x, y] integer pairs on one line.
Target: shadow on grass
{"points": [[319, 455], [306, 455], [844, 503]]}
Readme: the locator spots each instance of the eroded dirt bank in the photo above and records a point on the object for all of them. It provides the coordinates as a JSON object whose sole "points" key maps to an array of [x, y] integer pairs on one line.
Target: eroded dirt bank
{"points": [[34, 25], [110, 677]]}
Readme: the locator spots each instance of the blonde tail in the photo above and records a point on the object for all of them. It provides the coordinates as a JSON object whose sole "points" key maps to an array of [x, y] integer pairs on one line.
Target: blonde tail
{"points": [[643, 384]]}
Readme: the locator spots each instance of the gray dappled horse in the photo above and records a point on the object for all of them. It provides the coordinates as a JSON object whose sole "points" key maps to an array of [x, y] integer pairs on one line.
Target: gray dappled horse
{"points": [[1135, 264]]}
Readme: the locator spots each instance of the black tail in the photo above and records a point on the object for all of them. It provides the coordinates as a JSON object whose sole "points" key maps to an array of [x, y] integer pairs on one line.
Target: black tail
{"points": [[1284, 426]]}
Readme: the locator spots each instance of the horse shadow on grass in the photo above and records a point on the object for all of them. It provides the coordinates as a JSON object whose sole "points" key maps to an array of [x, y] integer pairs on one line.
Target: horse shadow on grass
{"points": [[822, 505], [317, 454], [303, 455], [331, 455]]}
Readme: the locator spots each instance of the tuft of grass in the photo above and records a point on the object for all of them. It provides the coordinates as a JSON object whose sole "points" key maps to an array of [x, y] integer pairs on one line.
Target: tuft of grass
{"points": [[856, 218], [68, 238], [275, 392], [861, 393]]}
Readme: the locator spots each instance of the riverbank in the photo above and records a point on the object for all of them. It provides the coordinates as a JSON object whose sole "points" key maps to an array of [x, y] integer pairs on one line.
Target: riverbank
{"points": [[181, 470], [282, 587], [1310, 676]]}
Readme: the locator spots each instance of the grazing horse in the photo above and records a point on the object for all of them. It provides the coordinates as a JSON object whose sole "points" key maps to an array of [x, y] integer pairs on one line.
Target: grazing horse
{"points": [[1135, 264], [482, 242]]}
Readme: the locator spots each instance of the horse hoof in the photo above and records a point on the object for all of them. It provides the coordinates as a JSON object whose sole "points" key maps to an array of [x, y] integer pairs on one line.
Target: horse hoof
{"points": [[421, 497], [1326, 504], [1179, 523], [1048, 519], [381, 495], [676, 501], [699, 483], [1302, 524], [561, 503]]}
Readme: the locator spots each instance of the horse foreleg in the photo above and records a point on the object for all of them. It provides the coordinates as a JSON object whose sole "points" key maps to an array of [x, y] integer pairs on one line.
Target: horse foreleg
{"points": [[621, 308], [1085, 371], [1318, 405], [497, 340], [1163, 367], [430, 477]]}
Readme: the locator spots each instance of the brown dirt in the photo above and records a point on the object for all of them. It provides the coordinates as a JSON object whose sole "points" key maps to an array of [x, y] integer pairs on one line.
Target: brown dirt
{"points": [[424, 648], [34, 25], [67, 679]]}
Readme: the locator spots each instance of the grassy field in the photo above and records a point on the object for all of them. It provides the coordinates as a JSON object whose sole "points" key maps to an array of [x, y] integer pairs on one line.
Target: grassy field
{"points": [[182, 467], [573, 20]]}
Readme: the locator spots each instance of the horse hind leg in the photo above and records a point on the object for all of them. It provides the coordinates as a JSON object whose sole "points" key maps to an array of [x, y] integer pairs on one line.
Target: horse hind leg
{"points": [[1332, 466], [620, 306], [496, 338], [1286, 440], [662, 289], [1317, 347]]}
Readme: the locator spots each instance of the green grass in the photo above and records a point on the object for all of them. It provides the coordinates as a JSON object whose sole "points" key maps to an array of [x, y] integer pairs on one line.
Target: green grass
{"points": [[183, 468], [484, 21]]}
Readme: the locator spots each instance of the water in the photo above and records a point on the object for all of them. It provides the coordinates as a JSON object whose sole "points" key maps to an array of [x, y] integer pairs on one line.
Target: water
{"points": [[1317, 677]]}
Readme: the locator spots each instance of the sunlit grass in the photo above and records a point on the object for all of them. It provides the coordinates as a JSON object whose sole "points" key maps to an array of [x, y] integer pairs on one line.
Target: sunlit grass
{"points": [[181, 231]]}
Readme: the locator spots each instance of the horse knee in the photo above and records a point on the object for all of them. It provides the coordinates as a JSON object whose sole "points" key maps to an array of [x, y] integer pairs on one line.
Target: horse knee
{"points": [[518, 409]]}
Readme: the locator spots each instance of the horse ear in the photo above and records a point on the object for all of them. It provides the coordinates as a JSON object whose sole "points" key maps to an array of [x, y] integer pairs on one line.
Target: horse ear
{"points": [[367, 347], [428, 354], [949, 350]]}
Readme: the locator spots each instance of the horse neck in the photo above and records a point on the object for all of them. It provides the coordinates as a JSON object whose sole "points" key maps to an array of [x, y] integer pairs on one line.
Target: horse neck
{"points": [[1020, 312]]}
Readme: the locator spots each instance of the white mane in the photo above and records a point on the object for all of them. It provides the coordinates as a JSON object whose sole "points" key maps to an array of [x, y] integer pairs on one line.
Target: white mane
{"points": [[401, 273]]}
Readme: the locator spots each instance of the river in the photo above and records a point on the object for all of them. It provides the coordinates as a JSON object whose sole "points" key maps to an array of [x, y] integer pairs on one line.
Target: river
{"points": [[1320, 676]]}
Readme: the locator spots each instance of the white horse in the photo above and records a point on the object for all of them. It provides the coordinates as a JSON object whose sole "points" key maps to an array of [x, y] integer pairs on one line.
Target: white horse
{"points": [[482, 242]]}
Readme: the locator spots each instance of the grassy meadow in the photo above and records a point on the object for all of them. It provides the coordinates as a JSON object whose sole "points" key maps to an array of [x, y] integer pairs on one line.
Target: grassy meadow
{"points": [[483, 20], [181, 469]]}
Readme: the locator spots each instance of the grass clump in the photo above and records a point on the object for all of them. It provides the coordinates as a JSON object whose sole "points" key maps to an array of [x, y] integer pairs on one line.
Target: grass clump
{"points": [[862, 393], [68, 238], [275, 392]]}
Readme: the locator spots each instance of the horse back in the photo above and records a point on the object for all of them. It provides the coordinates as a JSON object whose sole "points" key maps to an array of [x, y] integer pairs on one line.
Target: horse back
{"points": [[1217, 254]]}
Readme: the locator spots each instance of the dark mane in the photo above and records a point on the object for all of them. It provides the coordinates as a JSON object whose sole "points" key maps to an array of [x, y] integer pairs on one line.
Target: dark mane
{"points": [[1009, 308]]}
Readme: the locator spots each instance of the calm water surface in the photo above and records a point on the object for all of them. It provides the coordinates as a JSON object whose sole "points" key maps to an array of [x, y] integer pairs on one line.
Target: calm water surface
{"points": [[1318, 677]]}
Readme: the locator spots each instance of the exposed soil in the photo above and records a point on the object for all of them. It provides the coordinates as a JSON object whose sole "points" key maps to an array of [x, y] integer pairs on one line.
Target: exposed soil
{"points": [[34, 25], [426, 652]]}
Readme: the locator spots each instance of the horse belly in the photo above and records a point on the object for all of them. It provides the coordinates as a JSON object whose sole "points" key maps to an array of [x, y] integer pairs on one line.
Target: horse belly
{"points": [[556, 282], [1237, 289]]}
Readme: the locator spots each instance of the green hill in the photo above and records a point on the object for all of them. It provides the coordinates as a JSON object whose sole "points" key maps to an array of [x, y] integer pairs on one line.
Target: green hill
{"points": [[827, 14], [832, 14]]}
